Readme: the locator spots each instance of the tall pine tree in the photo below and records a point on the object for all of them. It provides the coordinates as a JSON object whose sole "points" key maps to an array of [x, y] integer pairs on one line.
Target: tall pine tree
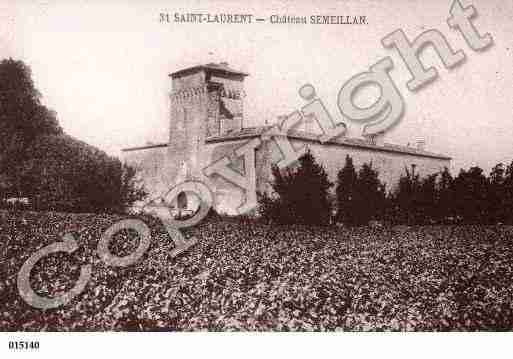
{"points": [[301, 194], [346, 191]]}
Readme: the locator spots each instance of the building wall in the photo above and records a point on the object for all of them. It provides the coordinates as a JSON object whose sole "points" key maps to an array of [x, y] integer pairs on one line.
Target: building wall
{"points": [[390, 165], [153, 168], [159, 170], [229, 196]]}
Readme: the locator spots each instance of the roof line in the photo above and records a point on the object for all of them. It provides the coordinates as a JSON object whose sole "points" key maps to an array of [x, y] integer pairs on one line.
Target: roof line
{"points": [[210, 67], [297, 136], [165, 144], [337, 143]]}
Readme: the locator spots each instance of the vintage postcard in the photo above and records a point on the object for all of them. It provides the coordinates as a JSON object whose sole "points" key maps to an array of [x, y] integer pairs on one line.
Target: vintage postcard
{"points": [[256, 166]]}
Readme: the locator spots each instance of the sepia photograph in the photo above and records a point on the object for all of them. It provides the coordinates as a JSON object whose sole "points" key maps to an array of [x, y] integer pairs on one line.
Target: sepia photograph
{"points": [[327, 168]]}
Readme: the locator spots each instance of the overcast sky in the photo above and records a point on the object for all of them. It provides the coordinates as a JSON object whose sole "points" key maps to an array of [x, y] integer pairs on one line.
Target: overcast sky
{"points": [[104, 65]]}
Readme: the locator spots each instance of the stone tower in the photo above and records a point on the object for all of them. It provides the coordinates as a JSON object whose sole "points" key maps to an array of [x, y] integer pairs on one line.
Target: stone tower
{"points": [[206, 101]]}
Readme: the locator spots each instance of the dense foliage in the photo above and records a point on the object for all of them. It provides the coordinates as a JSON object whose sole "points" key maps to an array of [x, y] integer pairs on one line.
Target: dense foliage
{"points": [[54, 171], [79, 179], [264, 277], [414, 200], [471, 197], [360, 197], [302, 194]]}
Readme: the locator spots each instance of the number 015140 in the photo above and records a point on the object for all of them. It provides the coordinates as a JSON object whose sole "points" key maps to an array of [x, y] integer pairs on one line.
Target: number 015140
{"points": [[23, 345]]}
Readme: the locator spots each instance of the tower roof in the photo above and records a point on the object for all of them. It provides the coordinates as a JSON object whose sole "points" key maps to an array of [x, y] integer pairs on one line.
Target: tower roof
{"points": [[221, 67]]}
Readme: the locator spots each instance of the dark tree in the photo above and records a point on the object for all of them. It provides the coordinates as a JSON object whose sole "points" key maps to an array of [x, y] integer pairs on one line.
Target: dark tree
{"points": [[52, 169], [405, 197], [427, 200], [470, 195], [346, 192], [496, 196], [69, 175], [369, 197], [507, 195], [300, 194], [445, 203], [22, 119]]}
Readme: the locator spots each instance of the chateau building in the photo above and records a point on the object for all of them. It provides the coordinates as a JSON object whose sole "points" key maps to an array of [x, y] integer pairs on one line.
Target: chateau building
{"points": [[207, 124]]}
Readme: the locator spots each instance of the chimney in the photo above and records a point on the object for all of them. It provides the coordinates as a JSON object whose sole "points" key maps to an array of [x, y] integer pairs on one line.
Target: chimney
{"points": [[376, 139], [421, 145]]}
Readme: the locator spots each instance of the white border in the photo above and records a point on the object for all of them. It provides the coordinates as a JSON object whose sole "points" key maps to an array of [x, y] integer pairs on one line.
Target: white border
{"points": [[261, 345]]}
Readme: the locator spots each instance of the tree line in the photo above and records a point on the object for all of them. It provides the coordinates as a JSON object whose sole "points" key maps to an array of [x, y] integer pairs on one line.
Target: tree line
{"points": [[52, 170], [303, 195]]}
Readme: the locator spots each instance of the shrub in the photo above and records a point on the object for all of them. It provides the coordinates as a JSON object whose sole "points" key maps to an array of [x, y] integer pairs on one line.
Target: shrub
{"points": [[65, 174]]}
